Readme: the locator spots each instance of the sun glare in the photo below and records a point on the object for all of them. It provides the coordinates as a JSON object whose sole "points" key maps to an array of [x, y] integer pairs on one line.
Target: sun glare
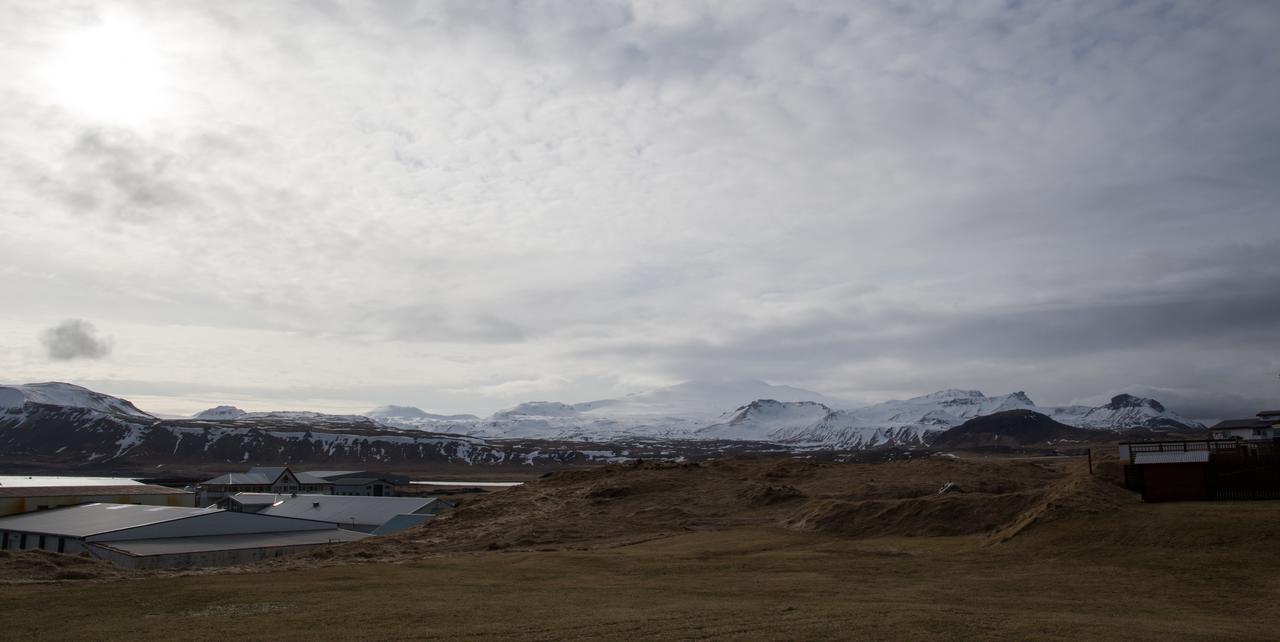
{"points": [[111, 72]]}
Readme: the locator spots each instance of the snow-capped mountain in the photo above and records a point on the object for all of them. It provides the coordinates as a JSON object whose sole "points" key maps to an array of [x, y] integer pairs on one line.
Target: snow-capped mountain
{"points": [[410, 414], [702, 399], [1124, 412], [219, 413], [67, 424], [15, 399], [674, 412], [916, 420]]}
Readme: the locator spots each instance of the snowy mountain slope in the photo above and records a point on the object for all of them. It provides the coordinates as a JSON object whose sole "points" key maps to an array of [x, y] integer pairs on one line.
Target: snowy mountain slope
{"points": [[411, 414], [801, 424], [916, 420], [72, 425], [219, 413], [1124, 412], [14, 399], [69, 423], [706, 399]]}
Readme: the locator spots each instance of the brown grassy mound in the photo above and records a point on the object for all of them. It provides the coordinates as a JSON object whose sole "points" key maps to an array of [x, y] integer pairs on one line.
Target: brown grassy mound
{"points": [[18, 567], [1078, 493], [628, 503], [942, 515]]}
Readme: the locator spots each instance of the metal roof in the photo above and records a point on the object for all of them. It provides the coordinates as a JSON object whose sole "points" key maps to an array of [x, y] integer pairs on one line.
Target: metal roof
{"points": [[240, 479], [1172, 457], [87, 491], [12, 481], [1241, 423], [401, 522], [328, 474], [347, 509], [87, 520], [337, 476], [262, 476], [181, 545], [355, 481]]}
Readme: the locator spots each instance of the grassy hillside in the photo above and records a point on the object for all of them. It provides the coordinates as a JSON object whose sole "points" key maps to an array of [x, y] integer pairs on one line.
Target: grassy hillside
{"points": [[1072, 567]]}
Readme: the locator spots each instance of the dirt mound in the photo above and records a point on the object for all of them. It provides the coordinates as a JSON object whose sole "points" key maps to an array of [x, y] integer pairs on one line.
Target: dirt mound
{"points": [[940, 515], [18, 567], [1077, 493]]}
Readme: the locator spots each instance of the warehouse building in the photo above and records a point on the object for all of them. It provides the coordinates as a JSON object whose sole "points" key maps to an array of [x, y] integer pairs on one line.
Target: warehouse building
{"points": [[282, 480], [365, 514], [23, 494], [261, 480], [361, 482], [152, 537]]}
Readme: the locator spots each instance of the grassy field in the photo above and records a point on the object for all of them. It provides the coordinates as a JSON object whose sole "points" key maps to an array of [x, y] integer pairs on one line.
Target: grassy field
{"points": [[1184, 571]]}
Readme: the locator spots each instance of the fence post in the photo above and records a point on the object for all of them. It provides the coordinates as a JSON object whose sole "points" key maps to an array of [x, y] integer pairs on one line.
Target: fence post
{"points": [[1089, 451]]}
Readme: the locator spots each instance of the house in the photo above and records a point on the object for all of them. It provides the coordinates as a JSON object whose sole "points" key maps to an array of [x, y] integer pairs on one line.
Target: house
{"points": [[358, 513], [280, 480], [1202, 469], [22, 494], [285, 481], [151, 537], [1265, 425]]}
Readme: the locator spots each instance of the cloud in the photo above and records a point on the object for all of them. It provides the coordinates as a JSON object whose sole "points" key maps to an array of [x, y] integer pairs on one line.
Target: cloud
{"points": [[75, 339], [446, 196]]}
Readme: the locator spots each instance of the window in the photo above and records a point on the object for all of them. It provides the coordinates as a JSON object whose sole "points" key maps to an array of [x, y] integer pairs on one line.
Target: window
{"points": [[1259, 432], [41, 542]]}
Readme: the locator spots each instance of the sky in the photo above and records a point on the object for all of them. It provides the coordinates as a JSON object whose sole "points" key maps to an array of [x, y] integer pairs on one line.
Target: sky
{"points": [[464, 205]]}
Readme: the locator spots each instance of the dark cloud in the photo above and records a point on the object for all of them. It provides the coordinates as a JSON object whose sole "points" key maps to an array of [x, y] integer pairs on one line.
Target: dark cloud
{"points": [[75, 339]]}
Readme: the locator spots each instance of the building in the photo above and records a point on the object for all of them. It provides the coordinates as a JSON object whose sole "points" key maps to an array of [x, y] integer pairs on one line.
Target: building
{"points": [[151, 537], [279, 480], [362, 482], [358, 513], [23, 494], [1202, 469], [284, 481], [1266, 425]]}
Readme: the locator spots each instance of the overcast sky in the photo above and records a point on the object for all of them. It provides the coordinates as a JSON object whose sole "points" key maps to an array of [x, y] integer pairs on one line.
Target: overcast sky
{"points": [[464, 205]]}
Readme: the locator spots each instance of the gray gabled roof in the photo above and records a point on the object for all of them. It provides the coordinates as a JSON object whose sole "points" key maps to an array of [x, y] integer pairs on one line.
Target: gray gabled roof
{"points": [[1240, 423], [263, 476], [93, 519], [241, 479], [203, 543], [275, 472], [337, 476], [401, 522], [345, 510]]}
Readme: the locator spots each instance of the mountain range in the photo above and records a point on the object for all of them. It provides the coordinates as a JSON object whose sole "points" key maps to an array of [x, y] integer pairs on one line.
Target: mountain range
{"points": [[799, 418], [60, 422]]}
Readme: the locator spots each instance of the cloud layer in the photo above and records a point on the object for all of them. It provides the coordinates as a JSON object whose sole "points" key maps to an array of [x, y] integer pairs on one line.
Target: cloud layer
{"points": [[464, 205], [75, 339]]}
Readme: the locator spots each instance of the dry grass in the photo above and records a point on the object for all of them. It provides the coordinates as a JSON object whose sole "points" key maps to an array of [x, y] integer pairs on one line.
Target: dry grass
{"points": [[1126, 570]]}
